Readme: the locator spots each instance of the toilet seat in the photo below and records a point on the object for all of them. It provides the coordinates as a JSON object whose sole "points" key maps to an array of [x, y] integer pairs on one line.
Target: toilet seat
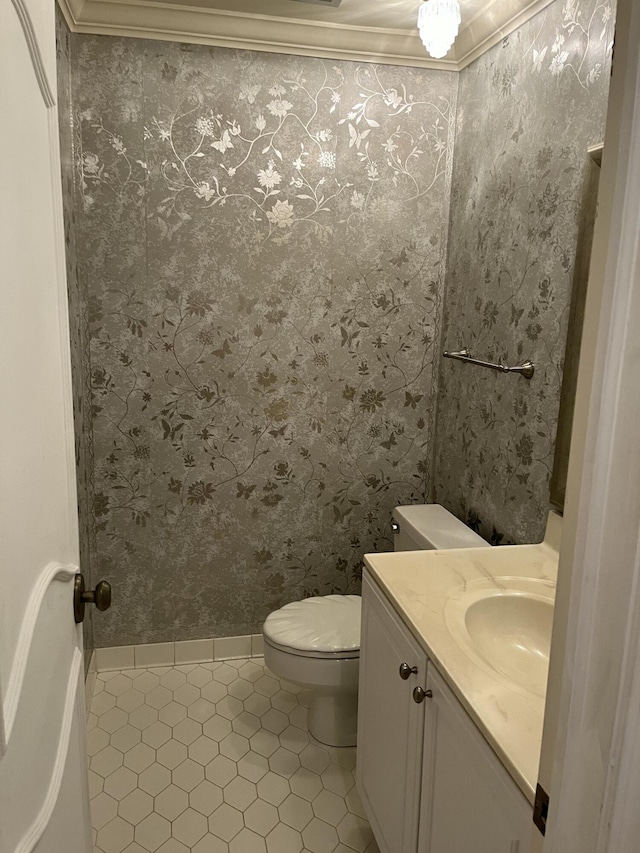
{"points": [[325, 626]]}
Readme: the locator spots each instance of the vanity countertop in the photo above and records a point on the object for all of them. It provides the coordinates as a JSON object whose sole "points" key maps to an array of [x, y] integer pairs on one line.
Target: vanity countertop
{"points": [[420, 584]]}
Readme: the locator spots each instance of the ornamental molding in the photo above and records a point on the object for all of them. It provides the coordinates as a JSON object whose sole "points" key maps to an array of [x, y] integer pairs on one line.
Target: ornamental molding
{"points": [[182, 22]]}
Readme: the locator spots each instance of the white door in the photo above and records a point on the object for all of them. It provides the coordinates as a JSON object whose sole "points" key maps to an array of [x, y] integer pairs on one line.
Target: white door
{"points": [[44, 802]]}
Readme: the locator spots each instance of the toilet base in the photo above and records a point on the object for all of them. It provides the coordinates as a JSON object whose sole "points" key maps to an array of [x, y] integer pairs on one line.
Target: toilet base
{"points": [[333, 691], [333, 716]]}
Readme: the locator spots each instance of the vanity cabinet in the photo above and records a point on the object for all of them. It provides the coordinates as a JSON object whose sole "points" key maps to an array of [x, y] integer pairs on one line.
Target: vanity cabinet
{"points": [[428, 779], [390, 725], [469, 802]]}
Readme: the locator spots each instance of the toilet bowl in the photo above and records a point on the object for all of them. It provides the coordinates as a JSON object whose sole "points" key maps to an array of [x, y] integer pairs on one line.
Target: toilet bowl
{"points": [[316, 642]]}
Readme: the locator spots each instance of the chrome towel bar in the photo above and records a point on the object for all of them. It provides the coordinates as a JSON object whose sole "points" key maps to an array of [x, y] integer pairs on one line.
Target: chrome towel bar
{"points": [[527, 369]]}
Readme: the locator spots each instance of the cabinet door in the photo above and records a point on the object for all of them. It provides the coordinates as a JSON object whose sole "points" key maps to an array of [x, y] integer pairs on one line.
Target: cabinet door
{"points": [[390, 725], [470, 804]]}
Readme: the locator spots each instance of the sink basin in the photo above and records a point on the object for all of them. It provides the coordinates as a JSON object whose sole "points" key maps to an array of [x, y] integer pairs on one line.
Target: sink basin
{"points": [[505, 624]]}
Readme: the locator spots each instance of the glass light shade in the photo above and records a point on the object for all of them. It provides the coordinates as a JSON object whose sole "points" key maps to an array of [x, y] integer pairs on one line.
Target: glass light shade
{"points": [[438, 23]]}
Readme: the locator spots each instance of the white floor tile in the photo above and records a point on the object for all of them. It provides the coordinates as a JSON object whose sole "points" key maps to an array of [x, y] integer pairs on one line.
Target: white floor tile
{"points": [[171, 802], [211, 844], [103, 809], [240, 793], [216, 758], [221, 770], [173, 846], [153, 831], [226, 822], [136, 806], [284, 839], [206, 797], [253, 766], [319, 836], [115, 836], [247, 841], [188, 774], [273, 789], [329, 807], [306, 784], [174, 678], [154, 779], [355, 832], [295, 812], [190, 827], [261, 817], [120, 783], [171, 754]]}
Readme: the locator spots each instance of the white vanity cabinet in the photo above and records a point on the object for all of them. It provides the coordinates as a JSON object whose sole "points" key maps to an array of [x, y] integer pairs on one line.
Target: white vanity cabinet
{"points": [[390, 725], [428, 779], [469, 802]]}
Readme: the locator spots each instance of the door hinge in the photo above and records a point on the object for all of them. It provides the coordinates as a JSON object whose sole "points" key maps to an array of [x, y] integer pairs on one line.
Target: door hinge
{"points": [[541, 808]]}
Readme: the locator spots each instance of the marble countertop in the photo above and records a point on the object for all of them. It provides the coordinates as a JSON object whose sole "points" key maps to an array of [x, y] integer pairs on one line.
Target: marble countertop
{"points": [[420, 583]]}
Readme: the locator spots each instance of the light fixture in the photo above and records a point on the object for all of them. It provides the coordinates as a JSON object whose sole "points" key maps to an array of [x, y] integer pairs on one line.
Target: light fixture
{"points": [[438, 23]]}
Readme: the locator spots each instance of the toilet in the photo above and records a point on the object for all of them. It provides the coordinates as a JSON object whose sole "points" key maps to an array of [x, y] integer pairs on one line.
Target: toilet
{"points": [[316, 642]]}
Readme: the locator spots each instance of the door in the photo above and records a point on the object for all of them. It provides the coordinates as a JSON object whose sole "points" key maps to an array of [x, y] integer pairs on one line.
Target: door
{"points": [[589, 763], [44, 803], [469, 801], [390, 725]]}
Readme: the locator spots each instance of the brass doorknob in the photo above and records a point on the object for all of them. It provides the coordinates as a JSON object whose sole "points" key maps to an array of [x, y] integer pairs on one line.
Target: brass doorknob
{"points": [[100, 596]]}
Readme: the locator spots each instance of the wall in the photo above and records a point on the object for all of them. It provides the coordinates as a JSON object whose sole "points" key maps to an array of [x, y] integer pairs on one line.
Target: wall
{"points": [[528, 110], [78, 324], [262, 240]]}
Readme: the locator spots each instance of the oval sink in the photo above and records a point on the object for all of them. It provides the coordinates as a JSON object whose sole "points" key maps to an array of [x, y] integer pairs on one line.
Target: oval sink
{"points": [[506, 623]]}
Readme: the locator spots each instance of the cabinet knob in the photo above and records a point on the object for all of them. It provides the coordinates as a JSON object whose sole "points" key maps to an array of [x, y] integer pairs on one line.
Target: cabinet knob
{"points": [[419, 695], [406, 671]]}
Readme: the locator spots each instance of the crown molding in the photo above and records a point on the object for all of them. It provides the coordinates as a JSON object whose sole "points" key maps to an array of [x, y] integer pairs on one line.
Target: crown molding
{"points": [[495, 22], [182, 22]]}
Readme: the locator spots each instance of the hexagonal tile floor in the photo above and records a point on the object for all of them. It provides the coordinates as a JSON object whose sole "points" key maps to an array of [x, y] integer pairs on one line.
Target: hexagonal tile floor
{"points": [[216, 758]]}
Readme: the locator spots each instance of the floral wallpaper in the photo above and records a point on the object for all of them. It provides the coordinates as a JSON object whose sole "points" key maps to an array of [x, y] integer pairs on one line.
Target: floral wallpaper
{"points": [[262, 242], [78, 324], [257, 253], [528, 111]]}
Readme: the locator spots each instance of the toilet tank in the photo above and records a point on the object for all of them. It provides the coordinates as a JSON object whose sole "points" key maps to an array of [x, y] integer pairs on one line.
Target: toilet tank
{"points": [[429, 527]]}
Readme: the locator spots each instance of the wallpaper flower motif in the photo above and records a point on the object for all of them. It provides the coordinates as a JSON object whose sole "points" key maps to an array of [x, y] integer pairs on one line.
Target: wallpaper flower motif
{"points": [[262, 241], [528, 111], [582, 43]]}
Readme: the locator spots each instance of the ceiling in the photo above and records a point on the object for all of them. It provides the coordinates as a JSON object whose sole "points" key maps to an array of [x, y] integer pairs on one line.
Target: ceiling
{"points": [[393, 14], [362, 30]]}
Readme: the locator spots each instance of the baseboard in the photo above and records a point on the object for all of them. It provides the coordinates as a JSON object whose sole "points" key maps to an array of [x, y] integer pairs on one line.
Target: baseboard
{"points": [[181, 652]]}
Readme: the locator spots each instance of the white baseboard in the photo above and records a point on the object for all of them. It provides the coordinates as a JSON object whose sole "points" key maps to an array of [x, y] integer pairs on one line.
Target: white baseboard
{"points": [[181, 652]]}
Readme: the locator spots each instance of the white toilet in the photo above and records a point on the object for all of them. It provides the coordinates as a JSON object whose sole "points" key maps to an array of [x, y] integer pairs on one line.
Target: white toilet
{"points": [[316, 642]]}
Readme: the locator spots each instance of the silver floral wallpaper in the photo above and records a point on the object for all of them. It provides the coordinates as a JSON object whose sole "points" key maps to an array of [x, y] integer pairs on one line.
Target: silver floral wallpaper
{"points": [[262, 242], [528, 111], [258, 247], [78, 323]]}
